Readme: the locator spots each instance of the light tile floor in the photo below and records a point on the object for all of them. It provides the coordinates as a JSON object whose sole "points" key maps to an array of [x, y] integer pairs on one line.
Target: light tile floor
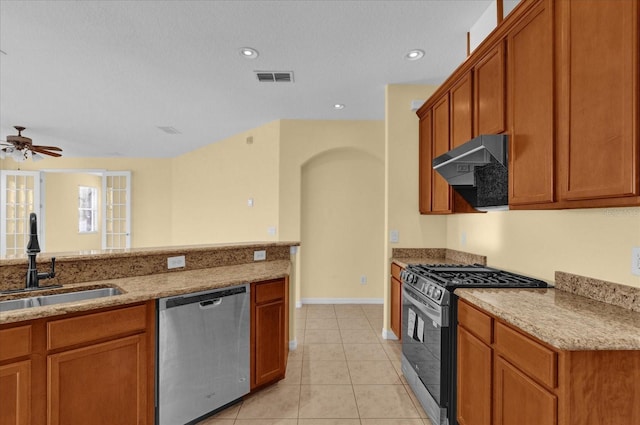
{"points": [[342, 373]]}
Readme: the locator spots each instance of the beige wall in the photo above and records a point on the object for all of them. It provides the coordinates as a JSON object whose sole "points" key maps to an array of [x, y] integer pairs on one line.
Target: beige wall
{"points": [[61, 218], [590, 242], [342, 221], [151, 196], [323, 151], [211, 187]]}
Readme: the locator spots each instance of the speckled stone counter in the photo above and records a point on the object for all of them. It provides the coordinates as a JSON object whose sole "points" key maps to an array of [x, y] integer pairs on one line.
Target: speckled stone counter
{"points": [[77, 267], [562, 319], [406, 256], [144, 288]]}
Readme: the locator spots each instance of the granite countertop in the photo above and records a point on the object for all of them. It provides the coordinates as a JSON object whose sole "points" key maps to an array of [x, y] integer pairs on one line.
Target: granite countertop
{"points": [[561, 319], [144, 288]]}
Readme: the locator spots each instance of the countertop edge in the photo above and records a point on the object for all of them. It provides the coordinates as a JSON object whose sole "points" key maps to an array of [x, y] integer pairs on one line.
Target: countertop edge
{"points": [[553, 337], [134, 292]]}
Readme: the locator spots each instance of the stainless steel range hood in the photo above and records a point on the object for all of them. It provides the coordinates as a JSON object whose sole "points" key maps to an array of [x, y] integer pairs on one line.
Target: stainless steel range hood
{"points": [[478, 171]]}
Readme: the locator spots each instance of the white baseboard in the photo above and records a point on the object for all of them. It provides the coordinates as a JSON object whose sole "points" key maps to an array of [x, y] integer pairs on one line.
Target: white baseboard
{"points": [[342, 301], [293, 345], [389, 334]]}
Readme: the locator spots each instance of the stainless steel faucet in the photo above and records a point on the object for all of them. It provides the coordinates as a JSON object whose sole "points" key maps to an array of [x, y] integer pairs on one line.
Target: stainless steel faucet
{"points": [[33, 248]]}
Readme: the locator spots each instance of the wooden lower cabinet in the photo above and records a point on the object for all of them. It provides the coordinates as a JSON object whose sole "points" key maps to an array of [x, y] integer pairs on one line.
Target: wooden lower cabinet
{"points": [[474, 380], [15, 393], [84, 368], [269, 325], [396, 300], [507, 377], [519, 400], [101, 384]]}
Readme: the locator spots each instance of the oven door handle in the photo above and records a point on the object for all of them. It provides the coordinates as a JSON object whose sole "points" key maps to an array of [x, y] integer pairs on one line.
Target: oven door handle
{"points": [[437, 314]]}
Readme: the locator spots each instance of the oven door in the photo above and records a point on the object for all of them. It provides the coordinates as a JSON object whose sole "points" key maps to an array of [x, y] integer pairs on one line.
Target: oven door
{"points": [[425, 342]]}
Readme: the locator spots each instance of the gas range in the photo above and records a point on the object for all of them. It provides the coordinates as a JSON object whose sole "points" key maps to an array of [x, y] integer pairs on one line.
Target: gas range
{"points": [[437, 281]]}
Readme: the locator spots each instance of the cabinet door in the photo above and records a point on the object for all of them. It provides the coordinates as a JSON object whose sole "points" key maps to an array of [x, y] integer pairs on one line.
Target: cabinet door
{"points": [[269, 345], [461, 111], [441, 192], [530, 69], [474, 380], [598, 117], [15, 393], [489, 85], [102, 384], [425, 168], [519, 400], [396, 307]]}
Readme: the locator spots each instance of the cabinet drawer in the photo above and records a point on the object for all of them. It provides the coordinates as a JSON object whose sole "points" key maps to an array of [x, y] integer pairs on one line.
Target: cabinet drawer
{"points": [[477, 322], [269, 291], [536, 360], [15, 342], [396, 270], [96, 326]]}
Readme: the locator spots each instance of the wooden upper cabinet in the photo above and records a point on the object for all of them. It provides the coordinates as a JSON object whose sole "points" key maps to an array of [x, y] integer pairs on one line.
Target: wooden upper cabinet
{"points": [[489, 92], [440, 189], [598, 99], [461, 111], [424, 163], [531, 107]]}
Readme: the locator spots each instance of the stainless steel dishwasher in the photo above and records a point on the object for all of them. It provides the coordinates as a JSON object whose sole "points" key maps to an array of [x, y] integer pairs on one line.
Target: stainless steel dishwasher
{"points": [[203, 353]]}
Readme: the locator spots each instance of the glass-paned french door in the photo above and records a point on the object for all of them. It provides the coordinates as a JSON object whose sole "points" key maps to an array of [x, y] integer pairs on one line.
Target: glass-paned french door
{"points": [[19, 197], [116, 217]]}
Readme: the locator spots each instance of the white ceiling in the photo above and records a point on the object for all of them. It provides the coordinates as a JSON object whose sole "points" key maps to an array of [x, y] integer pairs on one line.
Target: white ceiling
{"points": [[98, 77]]}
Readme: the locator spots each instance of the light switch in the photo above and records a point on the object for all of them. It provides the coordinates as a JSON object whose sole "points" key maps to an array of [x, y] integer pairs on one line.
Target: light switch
{"points": [[394, 236]]}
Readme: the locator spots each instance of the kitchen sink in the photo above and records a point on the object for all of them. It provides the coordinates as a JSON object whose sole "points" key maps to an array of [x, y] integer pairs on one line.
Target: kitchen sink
{"points": [[67, 297], [17, 304], [77, 296]]}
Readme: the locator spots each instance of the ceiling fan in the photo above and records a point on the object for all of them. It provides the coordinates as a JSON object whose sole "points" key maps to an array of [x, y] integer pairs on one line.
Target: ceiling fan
{"points": [[21, 148]]}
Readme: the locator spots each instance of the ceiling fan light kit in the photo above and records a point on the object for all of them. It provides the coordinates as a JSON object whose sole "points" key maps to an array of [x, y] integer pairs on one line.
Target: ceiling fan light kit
{"points": [[20, 148]]}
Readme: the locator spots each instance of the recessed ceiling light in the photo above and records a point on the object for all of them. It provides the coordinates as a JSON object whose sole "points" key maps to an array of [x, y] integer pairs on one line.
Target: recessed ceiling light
{"points": [[414, 55], [249, 53], [338, 106]]}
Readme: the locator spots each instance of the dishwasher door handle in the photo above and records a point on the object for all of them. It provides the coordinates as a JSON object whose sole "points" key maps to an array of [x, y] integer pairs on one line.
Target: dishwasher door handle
{"points": [[210, 303]]}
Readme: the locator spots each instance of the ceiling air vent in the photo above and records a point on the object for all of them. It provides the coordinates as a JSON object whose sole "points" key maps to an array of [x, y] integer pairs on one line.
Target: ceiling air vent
{"points": [[275, 76], [169, 130]]}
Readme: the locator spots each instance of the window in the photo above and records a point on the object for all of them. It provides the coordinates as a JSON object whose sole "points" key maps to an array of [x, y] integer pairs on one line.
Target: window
{"points": [[87, 209]]}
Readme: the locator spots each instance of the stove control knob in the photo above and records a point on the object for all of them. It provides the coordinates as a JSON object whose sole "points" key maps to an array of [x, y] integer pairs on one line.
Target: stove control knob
{"points": [[437, 293], [430, 290]]}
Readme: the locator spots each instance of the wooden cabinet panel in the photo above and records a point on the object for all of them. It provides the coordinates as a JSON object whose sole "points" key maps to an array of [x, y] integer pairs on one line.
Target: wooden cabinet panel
{"points": [[15, 342], [533, 358], [474, 380], [269, 291], [531, 108], [269, 355], [102, 384], [396, 270], [269, 329], [15, 393], [489, 92], [519, 400], [598, 98], [441, 191], [396, 307], [478, 323], [425, 163], [95, 326], [461, 111]]}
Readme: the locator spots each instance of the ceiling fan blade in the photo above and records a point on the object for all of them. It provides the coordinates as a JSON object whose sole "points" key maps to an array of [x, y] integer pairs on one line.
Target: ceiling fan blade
{"points": [[45, 152], [49, 148]]}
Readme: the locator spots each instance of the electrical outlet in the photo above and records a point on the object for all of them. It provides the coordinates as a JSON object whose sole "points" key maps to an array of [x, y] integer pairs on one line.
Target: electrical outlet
{"points": [[176, 262], [463, 239], [394, 236], [259, 255], [363, 280], [635, 260], [271, 230]]}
